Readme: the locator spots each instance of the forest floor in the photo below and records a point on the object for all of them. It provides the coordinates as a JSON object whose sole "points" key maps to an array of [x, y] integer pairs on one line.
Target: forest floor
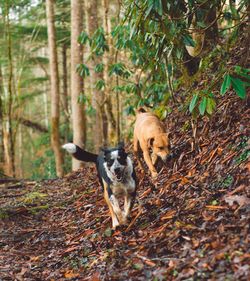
{"points": [[193, 225]]}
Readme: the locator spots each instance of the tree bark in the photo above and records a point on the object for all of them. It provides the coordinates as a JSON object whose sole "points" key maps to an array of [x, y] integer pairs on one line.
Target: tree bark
{"points": [[8, 136], [65, 106], [78, 116], [100, 127], [54, 79], [1, 122], [107, 60]]}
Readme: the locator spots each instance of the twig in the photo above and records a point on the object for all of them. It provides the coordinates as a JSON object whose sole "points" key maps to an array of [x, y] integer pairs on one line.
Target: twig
{"points": [[133, 221]]}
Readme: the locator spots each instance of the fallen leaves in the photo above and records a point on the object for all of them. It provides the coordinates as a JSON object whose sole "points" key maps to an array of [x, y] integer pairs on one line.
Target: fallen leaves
{"points": [[70, 274], [192, 225], [241, 200]]}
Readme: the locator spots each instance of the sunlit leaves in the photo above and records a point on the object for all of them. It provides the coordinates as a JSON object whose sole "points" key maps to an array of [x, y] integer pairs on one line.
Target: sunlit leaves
{"points": [[211, 105], [203, 105], [193, 102]]}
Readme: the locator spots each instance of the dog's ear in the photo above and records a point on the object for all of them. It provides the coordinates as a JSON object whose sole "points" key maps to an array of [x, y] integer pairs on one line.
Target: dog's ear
{"points": [[150, 142], [104, 150], [168, 135], [120, 145]]}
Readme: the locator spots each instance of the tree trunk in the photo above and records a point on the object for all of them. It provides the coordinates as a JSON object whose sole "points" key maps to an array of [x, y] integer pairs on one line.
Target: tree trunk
{"points": [[65, 105], [54, 79], [107, 60], [1, 122], [8, 137], [100, 128], [78, 116]]}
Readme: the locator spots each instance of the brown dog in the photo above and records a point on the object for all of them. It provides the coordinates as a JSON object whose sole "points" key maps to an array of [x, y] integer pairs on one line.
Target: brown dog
{"points": [[150, 135]]}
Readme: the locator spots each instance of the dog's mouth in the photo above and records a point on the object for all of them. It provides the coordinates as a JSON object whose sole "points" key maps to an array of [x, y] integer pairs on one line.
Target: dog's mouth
{"points": [[119, 175]]}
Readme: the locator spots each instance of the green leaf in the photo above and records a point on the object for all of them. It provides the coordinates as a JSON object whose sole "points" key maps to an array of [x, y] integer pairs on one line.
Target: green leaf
{"points": [[193, 102], [188, 40], [138, 266], [226, 84], [100, 84], [108, 232], [242, 71], [83, 38], [158, 7], [211, 104], [239, 87], [99, 67], [149, 9], [82, 98], [201, 24], [203, 105], [82, 69]]}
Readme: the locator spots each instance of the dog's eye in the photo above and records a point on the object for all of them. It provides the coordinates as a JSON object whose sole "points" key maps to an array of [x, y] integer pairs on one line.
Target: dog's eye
{"points": [[110, 162], [122, 161], [161, 147]]}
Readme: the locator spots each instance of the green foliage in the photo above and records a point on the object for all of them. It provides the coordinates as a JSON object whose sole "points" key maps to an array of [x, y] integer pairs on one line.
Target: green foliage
{"points": [[239, 84], [100, 84], [203, 102], [83, 70], [98, 42], [43, 162], [99, 68], [119, 69]]}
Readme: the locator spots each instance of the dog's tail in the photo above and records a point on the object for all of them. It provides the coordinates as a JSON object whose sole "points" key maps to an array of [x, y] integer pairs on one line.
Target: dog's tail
{"points": [[79, 153], [140, 110]]}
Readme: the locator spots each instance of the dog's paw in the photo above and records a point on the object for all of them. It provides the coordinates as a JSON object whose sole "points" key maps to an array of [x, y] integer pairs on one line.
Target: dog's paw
{"points": [[154, 174], [70, 147]]}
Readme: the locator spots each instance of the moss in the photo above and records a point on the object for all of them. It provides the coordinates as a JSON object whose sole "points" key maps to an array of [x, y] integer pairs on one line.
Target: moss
{"points": [[3, 214]]}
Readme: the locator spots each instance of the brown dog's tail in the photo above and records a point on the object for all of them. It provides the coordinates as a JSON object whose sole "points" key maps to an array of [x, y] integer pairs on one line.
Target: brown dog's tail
{"points": [[140, 110]]}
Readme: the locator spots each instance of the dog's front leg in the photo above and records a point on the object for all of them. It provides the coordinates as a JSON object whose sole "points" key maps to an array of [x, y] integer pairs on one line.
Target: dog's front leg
{"points": [[148, 161], [154, 158], [118, 212], [136, 152], [128, 204], [107, 194]]}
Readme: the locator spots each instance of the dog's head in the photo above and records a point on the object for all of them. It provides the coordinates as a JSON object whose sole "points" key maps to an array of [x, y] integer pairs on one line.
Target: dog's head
{"points": [[116, 161], [160, 145]]}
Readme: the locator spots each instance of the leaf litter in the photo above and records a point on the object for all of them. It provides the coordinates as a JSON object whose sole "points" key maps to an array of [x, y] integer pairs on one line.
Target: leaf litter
{"points": [[192, 223]]}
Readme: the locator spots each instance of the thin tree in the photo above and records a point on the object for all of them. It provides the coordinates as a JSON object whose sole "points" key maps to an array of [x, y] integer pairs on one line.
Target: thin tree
{"points": [[78, 116], [98, 99], [54, 78]]}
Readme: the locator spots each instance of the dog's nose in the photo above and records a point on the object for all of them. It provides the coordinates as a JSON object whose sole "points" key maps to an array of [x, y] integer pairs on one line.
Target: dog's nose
{"points": [[169, 157], [117, 170]]}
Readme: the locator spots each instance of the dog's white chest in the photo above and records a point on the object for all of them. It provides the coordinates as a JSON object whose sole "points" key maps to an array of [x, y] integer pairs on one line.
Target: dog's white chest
{"points": [[122, 189]]}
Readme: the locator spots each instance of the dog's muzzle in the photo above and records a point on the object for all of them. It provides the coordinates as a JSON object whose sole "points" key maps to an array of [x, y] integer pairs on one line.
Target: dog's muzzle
{"points": [[167, 158], [118, 174]]}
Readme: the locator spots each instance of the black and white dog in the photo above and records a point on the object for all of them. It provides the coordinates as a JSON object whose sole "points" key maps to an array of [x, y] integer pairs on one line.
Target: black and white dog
{"points": [[116, 175]]}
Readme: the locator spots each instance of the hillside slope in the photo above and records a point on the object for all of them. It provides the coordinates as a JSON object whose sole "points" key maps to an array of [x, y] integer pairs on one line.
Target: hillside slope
{"points": [[193, 225]]}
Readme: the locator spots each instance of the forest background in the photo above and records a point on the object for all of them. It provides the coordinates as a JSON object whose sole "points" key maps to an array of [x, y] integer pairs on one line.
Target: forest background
{"points": [[77, 70]]}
